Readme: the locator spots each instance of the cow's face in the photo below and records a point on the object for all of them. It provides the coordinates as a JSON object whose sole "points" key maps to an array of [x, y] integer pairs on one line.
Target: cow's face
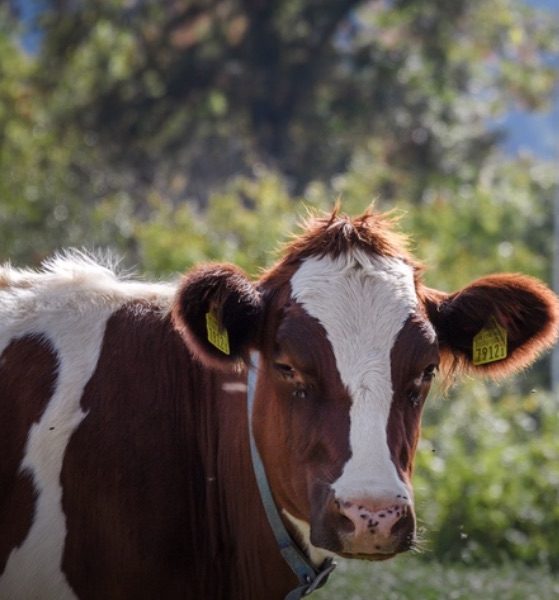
{"points": [[347, 364], [349, 341]]}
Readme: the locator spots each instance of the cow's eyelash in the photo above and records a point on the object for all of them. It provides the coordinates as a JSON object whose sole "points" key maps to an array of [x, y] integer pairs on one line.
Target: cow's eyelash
{"points": [[300, 392], [285, 369]]}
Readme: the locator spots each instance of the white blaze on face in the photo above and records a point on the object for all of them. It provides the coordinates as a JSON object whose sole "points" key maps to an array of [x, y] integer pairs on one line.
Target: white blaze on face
{"points": [[362, 302]]}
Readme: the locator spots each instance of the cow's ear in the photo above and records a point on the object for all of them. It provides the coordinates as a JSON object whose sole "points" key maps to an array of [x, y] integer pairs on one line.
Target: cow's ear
{"points": [[494, 326], [218, 312]]}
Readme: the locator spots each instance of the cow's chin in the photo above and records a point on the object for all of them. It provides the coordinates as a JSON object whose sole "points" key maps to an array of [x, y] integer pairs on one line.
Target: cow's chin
{"points": [[362, 551], [370, 557]]}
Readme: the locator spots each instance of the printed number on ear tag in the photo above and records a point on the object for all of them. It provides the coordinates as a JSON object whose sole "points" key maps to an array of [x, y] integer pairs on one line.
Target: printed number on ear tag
{"points": [[216, 336], [490, 344]]}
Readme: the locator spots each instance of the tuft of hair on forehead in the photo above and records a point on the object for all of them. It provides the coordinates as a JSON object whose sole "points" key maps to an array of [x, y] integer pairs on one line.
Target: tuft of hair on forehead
{"points": [[335, 234]]}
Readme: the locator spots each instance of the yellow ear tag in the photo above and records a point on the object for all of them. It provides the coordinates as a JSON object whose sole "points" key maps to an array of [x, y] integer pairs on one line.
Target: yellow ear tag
{"points": [[216, 336], [490, 344]]}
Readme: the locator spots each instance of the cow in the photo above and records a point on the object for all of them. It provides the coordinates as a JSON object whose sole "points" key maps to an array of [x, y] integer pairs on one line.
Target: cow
{"points": [[130, 465]]}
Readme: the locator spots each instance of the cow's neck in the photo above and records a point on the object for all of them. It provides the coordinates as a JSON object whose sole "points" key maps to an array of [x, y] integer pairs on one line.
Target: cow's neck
{"points": [[242, 537]]}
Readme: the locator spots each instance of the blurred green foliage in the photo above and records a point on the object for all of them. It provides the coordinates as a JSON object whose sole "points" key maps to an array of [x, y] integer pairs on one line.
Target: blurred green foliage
{"points": [[242, 223], [204, 130], [129, 101], [410, 578], [487, 479]]}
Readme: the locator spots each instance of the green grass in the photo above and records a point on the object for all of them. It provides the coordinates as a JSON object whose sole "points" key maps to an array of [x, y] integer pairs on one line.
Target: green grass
{"points": [[410, 578]]}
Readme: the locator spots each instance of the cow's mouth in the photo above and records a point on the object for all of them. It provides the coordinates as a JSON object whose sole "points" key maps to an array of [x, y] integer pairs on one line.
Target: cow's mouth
{"points": [[369, 557]]}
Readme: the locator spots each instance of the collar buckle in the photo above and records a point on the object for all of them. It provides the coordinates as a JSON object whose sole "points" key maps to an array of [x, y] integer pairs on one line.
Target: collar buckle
{"points": [[321, 577]]}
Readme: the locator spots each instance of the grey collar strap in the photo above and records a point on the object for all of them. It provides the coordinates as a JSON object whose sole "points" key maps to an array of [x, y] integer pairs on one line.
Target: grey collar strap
{"points": [[310, 578]]}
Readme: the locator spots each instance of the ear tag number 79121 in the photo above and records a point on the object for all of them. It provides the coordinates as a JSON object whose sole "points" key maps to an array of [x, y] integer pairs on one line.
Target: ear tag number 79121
{"points": [[490, 344]]}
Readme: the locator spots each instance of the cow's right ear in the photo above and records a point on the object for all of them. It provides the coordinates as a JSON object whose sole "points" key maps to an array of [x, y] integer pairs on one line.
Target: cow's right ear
{"points": [[218, 312]]}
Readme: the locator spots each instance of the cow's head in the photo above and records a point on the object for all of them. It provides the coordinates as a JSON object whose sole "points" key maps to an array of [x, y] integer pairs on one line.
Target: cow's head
{"points": [[350, 341]]}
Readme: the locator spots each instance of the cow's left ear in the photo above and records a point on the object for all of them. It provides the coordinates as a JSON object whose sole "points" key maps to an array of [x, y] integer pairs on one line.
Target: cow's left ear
{"points": [[218, 312], [494, 326]]}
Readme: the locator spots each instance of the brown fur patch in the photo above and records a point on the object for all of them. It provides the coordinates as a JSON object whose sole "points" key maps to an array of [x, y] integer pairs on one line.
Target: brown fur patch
{"points": [[414, 350], [28, 369]]}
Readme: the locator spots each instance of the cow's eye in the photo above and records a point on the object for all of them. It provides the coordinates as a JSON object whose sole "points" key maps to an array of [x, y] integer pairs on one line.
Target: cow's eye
{"points": [[285, 370], [419, 390], [300, 389], [429, 373]]}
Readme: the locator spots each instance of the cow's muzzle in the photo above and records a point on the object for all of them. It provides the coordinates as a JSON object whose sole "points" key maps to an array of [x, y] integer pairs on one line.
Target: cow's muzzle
{"points": [[364, 528]]}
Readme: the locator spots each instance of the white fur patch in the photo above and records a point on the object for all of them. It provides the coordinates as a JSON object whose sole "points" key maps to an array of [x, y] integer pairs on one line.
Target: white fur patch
{"points": [[317, 555], [362, 302], [68, 304], [234, 387]]}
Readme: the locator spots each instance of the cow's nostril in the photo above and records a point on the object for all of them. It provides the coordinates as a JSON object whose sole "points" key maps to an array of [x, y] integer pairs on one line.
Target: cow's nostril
{"points": [[345, 524], [403, 524], [408, 542]]}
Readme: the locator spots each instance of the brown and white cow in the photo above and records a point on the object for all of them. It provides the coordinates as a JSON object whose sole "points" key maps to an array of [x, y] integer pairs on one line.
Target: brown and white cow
{"points": [[124, 456]]}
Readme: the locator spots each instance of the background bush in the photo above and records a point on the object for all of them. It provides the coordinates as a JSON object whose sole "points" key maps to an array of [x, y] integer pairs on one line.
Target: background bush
{"points": [[487, 480]]}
